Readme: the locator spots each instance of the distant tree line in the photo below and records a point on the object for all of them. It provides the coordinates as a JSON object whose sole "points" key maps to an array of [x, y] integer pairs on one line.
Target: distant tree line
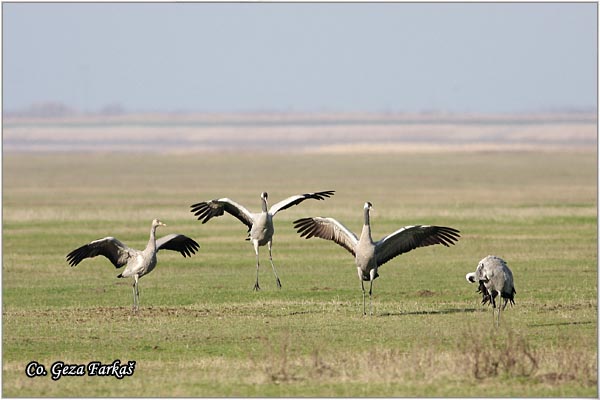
{"points": [[55, 109]]}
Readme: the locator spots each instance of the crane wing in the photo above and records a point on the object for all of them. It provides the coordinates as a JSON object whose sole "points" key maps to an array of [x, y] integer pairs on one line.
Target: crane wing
{"points": [[329, 229], [216, 208], [181, 243], [410, 237], [297, 199], [109, 247]]}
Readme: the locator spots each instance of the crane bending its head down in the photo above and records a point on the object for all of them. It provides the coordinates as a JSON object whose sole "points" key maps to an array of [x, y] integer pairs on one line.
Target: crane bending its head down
{"points": [[494, 277]]}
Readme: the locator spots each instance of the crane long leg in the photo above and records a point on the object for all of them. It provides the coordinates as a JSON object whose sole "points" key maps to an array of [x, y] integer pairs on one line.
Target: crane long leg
{"points": [[255, 243], [136, 293], [372, 278], [134, 299], [493, 295], [498, 322], [370, 298], [273, 266], [362, 286]]}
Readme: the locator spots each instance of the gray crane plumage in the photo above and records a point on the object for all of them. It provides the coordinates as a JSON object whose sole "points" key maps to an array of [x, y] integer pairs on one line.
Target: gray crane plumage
{"points": [[370, 255], [260, 225], [494, 277], [137, 263]]}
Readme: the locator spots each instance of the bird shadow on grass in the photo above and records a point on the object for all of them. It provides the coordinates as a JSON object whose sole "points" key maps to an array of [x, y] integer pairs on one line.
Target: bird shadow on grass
{"points": [[562, 323], [432, 312]]}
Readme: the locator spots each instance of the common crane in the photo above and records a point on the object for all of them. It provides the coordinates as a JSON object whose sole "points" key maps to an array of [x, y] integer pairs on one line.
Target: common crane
{"points": [[137, 263], [369, 255], [494, 277], [260, 225]]}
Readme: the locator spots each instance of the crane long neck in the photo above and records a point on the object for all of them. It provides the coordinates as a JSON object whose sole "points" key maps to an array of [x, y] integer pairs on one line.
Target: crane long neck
{"points": [[264, 204], [366, 230], [152, 241]]}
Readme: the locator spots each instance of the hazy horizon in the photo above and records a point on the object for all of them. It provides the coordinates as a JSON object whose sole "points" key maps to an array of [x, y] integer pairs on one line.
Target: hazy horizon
{"points": [[301, 57]]}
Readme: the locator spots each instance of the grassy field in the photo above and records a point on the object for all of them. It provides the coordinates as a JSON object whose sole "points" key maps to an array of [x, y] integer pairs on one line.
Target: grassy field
{"points": [[203, 332]]}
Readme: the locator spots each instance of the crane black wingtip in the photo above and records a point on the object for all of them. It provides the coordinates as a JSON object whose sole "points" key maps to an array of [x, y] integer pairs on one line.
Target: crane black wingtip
{"points": [[324, 195], [190, 247], [300, 221], [76, 256]]}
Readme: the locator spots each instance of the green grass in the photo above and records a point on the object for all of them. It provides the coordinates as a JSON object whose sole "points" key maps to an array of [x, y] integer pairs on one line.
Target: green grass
{"points": [[203, 332]]}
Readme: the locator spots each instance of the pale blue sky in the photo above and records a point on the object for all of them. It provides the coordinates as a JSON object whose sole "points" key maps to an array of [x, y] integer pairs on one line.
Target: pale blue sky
{"points": [[403, 57]]}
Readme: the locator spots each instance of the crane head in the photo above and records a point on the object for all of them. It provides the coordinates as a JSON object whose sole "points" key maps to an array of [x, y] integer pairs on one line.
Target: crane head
{"points": [[157, 222], [470, 277]]}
